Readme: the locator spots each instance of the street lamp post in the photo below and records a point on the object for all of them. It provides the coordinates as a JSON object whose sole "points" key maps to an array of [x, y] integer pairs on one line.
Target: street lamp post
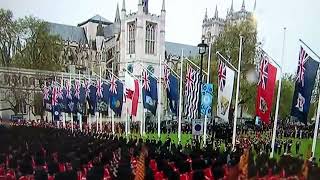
{"points": [[202, 50]]}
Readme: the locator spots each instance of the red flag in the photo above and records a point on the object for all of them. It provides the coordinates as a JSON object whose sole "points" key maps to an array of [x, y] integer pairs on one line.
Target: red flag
{"points": [[266, 87]]}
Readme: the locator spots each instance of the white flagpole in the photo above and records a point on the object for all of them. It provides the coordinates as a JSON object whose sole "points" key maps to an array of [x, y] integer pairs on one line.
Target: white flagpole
{"points": [[79, 114], [274, 132], [89, 114], [206, 116], [64, 114], [237, 97], [73, 107], [141, 108], [180, 99], [100, 115], [112, 114], [159, 97], [316, 127]]}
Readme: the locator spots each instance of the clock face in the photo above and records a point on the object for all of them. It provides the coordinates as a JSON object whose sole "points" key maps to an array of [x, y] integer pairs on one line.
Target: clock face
{"points": [[151, 68], [130, 68]]}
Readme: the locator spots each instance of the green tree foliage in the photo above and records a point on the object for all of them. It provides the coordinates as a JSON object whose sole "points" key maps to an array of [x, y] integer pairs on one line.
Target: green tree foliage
{"points": [[8, 32], [27, 43], [42, 50]]}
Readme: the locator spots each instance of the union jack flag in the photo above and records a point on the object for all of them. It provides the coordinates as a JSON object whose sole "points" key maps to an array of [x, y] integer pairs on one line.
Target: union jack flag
{"points": [[146, 81], [189, 77], [59, 91], [166, 77], [54, 96], [113, 85], [222, 74], [68, 89], [263, 71], [87, 87], [77, 90], [192, 93], [303, 57], [99, 89], [45, 92]]}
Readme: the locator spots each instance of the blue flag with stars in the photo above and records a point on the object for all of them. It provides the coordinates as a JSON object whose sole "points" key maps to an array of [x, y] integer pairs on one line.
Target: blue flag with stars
{"points": [[305, 79], [149, 92]]}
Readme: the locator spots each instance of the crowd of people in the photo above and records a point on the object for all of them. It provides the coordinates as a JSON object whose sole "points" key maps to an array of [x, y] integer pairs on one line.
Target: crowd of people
{"points": [[43, 151]]}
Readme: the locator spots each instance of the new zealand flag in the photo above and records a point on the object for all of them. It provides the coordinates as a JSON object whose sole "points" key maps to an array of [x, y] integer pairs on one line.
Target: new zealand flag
{"points": [[149, 92], [116, 96], [305, 79]]}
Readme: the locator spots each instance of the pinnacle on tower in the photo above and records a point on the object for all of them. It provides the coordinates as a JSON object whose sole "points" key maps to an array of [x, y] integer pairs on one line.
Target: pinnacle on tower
{"points": [[123, 5], [117, 17], [243, 7], [163, 5], [231, 8], [206, 14], [216, 16], [255, 5]]}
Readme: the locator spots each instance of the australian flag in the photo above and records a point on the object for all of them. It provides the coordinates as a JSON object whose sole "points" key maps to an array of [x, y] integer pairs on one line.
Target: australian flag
{"points": [[149, 92], [116, 96], [172, 88], [305, 79]]}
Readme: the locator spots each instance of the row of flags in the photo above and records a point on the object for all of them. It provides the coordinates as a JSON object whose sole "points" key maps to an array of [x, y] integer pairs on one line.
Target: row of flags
{"points": [[72, 98], [304, 86], [68, 98]]}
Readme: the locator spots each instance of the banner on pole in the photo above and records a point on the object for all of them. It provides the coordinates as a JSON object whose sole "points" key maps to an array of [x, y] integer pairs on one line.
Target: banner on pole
{"points": [[206, 99], [225, 81]]}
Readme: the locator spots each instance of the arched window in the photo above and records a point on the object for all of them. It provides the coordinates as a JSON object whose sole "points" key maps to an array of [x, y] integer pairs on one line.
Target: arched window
{"points": [[131, 37], [150, 38]]}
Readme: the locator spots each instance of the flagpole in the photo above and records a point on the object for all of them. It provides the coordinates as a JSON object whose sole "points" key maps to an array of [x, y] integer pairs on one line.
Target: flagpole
{"points": [[63, 115], [70, 112], [274, 132], [309, 48], [180, 99], [112, 115], [141, 108], [89, 114], [159, 98], [54, 86], [316, 128], [194, 64], [237, 97], [80, 115], [171, 70], [100, 115], [206, 115]]}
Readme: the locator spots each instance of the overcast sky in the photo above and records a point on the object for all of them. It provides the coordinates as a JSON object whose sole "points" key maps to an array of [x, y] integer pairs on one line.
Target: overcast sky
{"points": [[184, 19]]}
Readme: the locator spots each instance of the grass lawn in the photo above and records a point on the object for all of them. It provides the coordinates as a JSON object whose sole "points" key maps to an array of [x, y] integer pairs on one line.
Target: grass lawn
{"points": [[186, 137]]}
